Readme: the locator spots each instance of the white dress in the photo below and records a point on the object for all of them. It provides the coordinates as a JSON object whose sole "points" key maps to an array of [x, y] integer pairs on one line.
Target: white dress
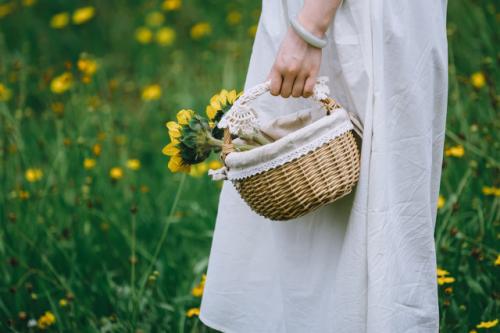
{"points": [[366, 263]]}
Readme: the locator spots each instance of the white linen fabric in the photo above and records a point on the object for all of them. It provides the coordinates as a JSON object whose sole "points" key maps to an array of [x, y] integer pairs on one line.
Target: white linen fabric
{"points": [[367, 262]]}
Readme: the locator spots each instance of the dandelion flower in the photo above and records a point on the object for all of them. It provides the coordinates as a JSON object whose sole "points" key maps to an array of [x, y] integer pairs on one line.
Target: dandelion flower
{"points": [[6, 9], [61, 83], [165, 36], [89, 163], [252, 31], [193, 312], [143, 35], [200, 30], [197, 291], [491, 190], [116, 173], [97, 149], [497, 261], [487, 324], [5, 93], [233, 17], [441, 272], [441, 201], [171, 5], [84, 14], [442, 277], [59, 21], [87, 66], [455, 151], [33, 175], [478, 80], [134, 164], [155, 19], [151, 92], [215, 164], [46, 320], [63, 302], [198, 170], [28, 3]]}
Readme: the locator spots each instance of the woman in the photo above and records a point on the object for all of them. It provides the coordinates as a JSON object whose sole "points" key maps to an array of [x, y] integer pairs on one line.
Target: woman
{"points": [[367, 262]]}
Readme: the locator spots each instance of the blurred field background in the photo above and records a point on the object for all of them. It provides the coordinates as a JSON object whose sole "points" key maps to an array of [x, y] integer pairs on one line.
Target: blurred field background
{"points": [[97, 235]]}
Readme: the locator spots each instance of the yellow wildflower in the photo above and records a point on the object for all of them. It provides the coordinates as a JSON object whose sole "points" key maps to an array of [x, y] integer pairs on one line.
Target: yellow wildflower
{"points": [[84, 14], [5, 93], [28, 3], [61, 83], [155, 19], [472, 331], [170, 149], [487, 324], [455, 151], [171, 4], [214, 164], [174, 130], [87, 66], [151, 92], [197, 291], [6, 9], [134, 164], [143, 35], [116, 173], [46, 320], [193, 312], [63, 302], [252, 31], [497, 261], [97, 149], [233, 17], [441, 272], [487, 190], [89, 163], [478, 80], [198, 169], [33, 174], [200, 30], [165, 36], [441, 201], [59, 21], [445, 279], [184, 116], [24, 195], [175, 164]]}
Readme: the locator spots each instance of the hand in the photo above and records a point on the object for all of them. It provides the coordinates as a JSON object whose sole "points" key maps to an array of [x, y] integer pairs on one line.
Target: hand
{"points": [[296, 67]]}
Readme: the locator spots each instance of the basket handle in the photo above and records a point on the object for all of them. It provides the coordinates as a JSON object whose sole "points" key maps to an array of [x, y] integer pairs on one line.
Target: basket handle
{"points": [[320, 93]]}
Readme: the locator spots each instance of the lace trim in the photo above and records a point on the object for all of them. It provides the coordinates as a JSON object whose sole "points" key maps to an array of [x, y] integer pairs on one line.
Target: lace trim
{"points": [[280, 160]]}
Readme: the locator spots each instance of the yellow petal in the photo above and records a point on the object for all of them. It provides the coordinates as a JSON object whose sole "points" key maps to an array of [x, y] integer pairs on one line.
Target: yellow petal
{"points": [[231, 96], [211, 112], [170, 149], [223, 97], [174, 129], [184, 116], [214, 102]]}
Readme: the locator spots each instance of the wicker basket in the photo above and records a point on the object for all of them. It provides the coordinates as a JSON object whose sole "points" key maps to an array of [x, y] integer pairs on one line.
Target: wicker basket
{"points": [[287, 189]]}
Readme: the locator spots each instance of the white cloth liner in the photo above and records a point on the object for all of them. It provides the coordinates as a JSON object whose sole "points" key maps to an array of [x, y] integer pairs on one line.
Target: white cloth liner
{"points": [[294, 145]]}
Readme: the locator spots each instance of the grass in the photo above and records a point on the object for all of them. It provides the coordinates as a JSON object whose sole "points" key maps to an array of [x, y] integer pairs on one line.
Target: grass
{"points": [[114, 255]]}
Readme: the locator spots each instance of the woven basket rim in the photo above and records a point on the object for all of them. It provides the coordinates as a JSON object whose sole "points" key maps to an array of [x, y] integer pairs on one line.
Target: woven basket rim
{"points": [[284, 149]]}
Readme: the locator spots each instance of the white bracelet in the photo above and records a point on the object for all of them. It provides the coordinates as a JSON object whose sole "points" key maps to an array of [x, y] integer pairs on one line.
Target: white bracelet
{"points": [[307, 36]]}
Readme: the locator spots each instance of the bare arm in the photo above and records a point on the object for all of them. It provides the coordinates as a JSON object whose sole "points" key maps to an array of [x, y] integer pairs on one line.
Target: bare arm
{"points": [[297, 63]]}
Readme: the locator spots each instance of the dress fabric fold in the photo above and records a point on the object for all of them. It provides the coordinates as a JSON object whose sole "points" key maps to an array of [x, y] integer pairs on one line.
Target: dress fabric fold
{"points": [[367, 262]]}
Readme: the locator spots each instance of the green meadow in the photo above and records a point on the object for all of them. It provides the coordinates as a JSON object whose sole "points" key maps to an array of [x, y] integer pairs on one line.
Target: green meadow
{"points": [[98, 235]]}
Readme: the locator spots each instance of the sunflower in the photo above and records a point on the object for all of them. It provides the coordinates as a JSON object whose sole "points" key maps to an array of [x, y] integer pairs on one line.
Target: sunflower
{"points": [[219, 104]]}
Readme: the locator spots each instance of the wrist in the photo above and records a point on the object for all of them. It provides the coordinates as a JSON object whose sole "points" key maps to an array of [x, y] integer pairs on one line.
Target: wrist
{"points": [[315, 27]]}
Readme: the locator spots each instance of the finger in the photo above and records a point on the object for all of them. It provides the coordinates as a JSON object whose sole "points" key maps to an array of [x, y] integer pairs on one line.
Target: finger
{"points": [[298, 86], [286, 86], [309, 86], [276, 81]]}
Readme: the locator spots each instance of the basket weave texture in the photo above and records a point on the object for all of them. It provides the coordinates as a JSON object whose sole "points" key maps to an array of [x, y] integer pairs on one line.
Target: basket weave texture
{"points": [[306, 183]]}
